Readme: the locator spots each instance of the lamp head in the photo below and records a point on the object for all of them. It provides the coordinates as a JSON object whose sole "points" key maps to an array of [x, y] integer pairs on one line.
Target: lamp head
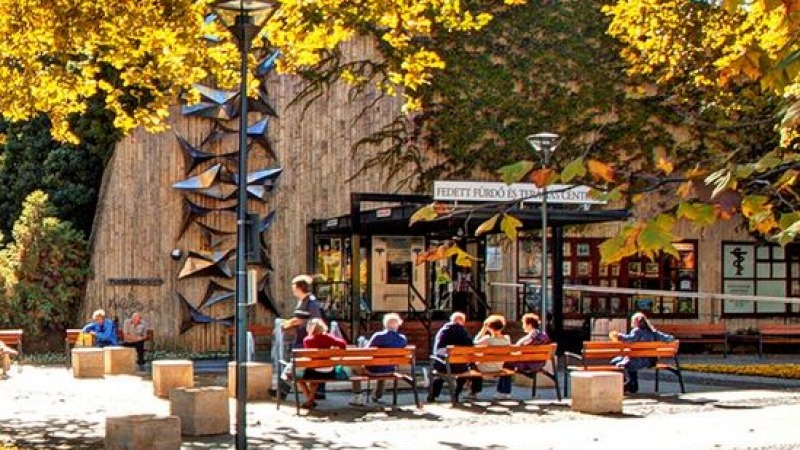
{"points": [[243, 18], [543, 142], [242, 5]]}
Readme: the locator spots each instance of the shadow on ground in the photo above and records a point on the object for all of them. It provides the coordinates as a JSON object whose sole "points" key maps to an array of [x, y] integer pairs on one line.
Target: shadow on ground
{"points": [[285, 437], [50, 434]]}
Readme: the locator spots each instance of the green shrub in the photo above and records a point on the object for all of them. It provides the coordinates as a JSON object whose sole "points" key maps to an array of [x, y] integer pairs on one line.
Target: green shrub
{"points": [[42, 271]]}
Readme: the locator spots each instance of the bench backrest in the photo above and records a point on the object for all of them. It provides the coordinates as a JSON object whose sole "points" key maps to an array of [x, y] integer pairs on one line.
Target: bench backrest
{"points": [[501, 353], [594, 350], [692, 329], [71, 335], [311, 358], [11, 337], [779, 328]]}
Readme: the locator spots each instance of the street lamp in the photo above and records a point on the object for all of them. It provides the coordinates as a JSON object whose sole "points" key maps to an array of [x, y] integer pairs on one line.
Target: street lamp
{"points": [[244, 28], [544, 144]]}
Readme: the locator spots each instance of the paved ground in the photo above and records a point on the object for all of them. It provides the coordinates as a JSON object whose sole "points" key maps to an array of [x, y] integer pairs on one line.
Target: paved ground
{"points": [[44, 407]]}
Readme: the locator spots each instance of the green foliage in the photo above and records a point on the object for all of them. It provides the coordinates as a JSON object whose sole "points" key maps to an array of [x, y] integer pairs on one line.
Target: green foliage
{"points": [[69, 174], [43, 270]]}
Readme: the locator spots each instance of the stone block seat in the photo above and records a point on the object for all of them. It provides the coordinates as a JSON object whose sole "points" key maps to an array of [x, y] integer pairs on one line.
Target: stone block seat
{"points": [[87, 363], [203, 410], [169, 374], [143, 432], [597, 392], [259, 380], [119, 360]]}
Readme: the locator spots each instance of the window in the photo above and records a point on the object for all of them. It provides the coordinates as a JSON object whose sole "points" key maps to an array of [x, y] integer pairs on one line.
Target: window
{"points": [[767, 270], [665, 273]]}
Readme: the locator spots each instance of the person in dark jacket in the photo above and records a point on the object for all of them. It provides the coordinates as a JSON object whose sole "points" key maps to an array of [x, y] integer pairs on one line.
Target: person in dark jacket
{"points": [[452, 333], [641, 331]]}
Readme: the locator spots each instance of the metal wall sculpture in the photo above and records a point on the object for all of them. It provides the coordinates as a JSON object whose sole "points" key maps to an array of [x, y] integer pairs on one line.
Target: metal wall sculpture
{"points": [[210, 186]]}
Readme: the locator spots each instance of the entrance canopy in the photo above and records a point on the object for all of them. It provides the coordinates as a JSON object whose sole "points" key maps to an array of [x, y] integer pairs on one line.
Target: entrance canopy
{"points": [[394, 220]]}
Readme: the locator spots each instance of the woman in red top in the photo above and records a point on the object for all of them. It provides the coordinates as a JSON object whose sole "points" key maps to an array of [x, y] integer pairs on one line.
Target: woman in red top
{"points": [[318, 337]]}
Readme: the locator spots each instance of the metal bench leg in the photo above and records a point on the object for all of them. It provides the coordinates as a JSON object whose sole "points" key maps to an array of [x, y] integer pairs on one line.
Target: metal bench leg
{"points": [[566, 383], [533, 384], [657, 381], [394, 392], [451, 383], [555, 383]]}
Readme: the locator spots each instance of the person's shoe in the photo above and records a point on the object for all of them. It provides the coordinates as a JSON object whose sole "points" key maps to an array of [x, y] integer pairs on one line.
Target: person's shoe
{"points": [[629, 389], [357, 400], [502, 396], [471, 397], [310, 404], [431, 398]]}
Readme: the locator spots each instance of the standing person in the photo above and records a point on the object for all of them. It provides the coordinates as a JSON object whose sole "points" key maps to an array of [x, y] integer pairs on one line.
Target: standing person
{"points": [[641, 331], [318, 337], [461, 291], [451, 333], [390, 337], [307, 307], [134, 333], [102, 329], [491, 334]]}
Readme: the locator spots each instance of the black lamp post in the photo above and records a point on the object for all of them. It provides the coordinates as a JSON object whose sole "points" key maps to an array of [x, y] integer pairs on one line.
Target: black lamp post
{"points": [[245, 28], [545, 144]]}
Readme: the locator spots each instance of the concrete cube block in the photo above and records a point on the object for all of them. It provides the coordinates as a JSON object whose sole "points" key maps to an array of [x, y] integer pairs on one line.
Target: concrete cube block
{"points": [[169, 374], [596, 392], [203, 411], [119, 360], [259, 380], [87, 362], [143, 432]]}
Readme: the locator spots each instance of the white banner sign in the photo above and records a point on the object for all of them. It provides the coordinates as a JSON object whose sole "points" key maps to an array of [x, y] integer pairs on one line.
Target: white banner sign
{"points": [[486, 191]]}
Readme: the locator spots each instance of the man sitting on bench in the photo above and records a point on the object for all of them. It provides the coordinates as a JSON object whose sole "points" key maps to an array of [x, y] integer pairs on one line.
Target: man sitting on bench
{"points": [[641, 331], [134, 333], [5, 359], [388, 338]]}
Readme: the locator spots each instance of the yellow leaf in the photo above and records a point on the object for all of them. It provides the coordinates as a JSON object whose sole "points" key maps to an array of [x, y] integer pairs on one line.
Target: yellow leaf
{"points": [[424, 214], [600, 170], [665, 165], [509, 225], [464, 259], [487, 226]]}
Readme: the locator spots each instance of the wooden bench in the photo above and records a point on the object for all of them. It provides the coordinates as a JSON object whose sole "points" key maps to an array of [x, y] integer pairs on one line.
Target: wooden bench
{"points": [[698, 333], [775, 333], [258, 331], [596, 356], [13, 338], [497, 354], [71, 336], [312, 358]]}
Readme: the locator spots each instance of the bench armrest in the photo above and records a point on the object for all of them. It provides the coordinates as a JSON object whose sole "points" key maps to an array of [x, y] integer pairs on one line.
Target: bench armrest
{"points": [[438, 359], [569, 355]]}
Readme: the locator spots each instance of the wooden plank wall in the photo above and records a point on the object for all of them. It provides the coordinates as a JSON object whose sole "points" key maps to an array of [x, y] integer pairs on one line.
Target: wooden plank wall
{"points": [[139, 213]]}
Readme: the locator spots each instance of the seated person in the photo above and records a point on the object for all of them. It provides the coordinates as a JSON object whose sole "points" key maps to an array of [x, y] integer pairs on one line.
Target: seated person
{"points": [[388, 338], [491, 334], [6, 353], [452, 333], [102, 329], [531, 324], [641, 331], [318, 337], [134, 333]]}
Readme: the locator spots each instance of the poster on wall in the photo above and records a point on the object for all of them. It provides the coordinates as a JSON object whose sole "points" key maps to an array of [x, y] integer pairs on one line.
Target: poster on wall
{"points": [[530, 258]]}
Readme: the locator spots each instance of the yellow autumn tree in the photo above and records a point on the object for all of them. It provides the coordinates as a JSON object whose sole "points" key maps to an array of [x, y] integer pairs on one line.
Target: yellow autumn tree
{"points": [[139, 55], [728, 72]]}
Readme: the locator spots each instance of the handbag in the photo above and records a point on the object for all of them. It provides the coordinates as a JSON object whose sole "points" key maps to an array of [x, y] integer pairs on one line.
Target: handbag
{"points": [[84, 340]]}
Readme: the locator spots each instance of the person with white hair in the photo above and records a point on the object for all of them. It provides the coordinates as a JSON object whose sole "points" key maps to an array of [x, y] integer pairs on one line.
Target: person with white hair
{"points": [[389, 337], [318, 337], [452, 333], [641, 331], [102, 328]]}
